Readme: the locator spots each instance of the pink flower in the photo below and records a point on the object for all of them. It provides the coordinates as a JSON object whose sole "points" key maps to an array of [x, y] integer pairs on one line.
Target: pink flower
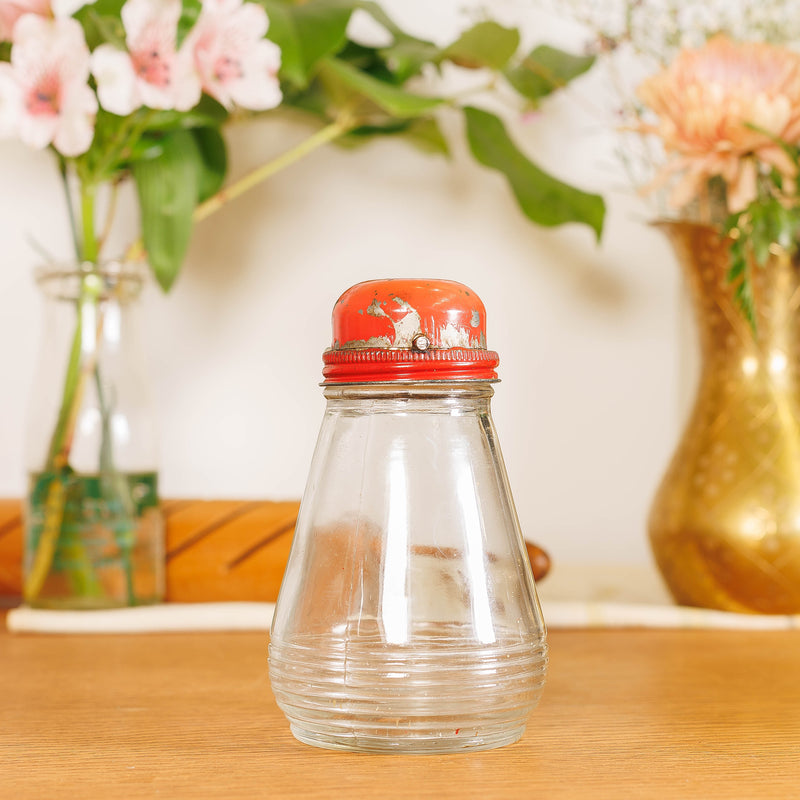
{"points": [[236, 65], [708, 102], [44, 94], [10, 12], [152, 72]]}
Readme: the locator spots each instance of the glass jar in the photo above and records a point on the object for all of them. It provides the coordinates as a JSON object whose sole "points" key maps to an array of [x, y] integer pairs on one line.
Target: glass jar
{"points": [[408, 619], [94, 534]]}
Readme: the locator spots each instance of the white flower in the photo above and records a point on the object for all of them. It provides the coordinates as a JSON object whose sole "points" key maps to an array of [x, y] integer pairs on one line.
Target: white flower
{"points": [[152, 72], [44, 95], [66, 8], [10, 102], [235, 63], [365, 30]]}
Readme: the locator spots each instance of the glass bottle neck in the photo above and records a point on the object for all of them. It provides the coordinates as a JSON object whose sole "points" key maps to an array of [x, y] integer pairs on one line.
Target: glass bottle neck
{"points": [[429, 390], [98, 283], [451, 397]]}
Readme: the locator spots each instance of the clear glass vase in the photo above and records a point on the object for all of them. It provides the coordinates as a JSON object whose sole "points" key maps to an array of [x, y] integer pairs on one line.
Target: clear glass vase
{"points": [[93, 528]]}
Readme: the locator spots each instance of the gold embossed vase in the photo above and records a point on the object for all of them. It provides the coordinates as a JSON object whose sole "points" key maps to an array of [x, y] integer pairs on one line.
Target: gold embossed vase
{"points": [[725, 522]]}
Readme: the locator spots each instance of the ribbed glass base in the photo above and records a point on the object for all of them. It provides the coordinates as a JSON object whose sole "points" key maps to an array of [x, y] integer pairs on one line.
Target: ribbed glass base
{"points": [[397, 742], [374, 697]]}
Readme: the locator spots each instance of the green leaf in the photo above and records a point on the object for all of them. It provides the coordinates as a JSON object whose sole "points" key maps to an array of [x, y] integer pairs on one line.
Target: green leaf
{"points": [[106, 8], [737, 268], [190, 11], [487, 44], [214, 155], [788, 227], [738, 229], [364, 133], [369, 60], [168, 187], [546, 69], [406, 57], [791, 150], [283, 33], [761, 249], [543, 199], [743, 296], [360, 137], [102, 23], [306, 34], [393, 100], [5, 51], [425, 134], [207, 113], [312, 100], [146, 148], [101, 28], [381, 17]]}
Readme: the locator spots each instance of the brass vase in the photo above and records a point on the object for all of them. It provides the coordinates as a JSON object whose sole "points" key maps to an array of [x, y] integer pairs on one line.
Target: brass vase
{"points": [[725, 523]]}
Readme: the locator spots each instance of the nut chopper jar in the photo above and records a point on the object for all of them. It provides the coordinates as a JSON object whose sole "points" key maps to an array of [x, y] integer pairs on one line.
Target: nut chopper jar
{"points": [[407, 619]]}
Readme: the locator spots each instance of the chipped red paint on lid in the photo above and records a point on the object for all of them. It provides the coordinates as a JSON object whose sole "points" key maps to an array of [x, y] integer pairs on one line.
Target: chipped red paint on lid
{"points": [[409, 330]]}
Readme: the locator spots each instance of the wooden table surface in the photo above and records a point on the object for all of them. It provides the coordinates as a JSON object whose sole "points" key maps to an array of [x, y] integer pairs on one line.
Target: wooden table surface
{"points": [[625, 714]]}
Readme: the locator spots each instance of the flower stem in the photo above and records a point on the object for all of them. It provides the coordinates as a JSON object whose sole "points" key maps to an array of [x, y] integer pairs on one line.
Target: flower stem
{"points": [[116, 490], [327, 134], [82, 362], [90, 248], [62, 166], [112, 208], [46, 549], [128, 132]]}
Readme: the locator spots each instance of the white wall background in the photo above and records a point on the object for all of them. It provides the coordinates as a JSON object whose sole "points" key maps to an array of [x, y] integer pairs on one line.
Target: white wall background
{"points": [[587, 410]]}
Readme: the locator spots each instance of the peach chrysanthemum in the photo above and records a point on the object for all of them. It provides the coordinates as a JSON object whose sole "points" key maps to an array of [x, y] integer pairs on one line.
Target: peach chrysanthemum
{"points": [[720, 109]]}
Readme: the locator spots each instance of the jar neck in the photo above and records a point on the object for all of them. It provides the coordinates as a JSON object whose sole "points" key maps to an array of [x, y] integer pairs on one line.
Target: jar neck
{"points": [[103, 282], [397, 390]]}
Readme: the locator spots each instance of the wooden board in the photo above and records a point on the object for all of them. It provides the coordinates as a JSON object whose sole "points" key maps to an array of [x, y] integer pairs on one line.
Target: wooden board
{"points": [[216, 549], [10, 548], [227, 549]]}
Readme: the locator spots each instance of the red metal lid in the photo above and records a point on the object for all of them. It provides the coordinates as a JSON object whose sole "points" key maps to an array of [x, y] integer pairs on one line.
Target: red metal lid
{"points": [[409, 330]]}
